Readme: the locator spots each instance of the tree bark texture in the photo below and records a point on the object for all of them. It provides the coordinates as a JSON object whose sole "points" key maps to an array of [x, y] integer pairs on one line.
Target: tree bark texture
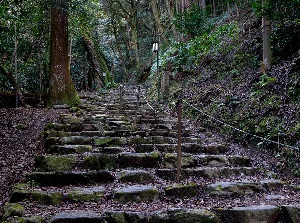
{"points": [[61, 90], [14, 83], [156, 14]]}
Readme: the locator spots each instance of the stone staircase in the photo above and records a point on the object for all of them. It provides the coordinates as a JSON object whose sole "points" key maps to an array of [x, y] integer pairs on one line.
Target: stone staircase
{"points": [[108, 163]]}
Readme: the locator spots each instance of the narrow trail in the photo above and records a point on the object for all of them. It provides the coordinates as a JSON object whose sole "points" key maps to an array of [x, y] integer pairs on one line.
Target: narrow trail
{"points": [[106, 163]]}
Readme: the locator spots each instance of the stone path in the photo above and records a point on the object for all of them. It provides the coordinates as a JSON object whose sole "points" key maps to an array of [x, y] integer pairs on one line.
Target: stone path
{"points": [[101, 166]]}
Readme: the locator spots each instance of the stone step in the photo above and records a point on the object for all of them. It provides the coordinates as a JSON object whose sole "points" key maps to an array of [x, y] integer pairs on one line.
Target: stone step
{"points": [[101, 161], [188, 160], [193, 148], [207, 172], [246, 214], [82, 140], [136, 193], [70, 178]]}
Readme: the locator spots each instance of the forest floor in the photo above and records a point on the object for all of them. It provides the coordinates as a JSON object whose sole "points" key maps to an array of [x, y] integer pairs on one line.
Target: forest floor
{"points": [[20, 140]]}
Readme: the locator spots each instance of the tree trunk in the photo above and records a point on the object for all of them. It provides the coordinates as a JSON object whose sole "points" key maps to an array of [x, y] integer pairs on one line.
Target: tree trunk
{"points": [[214, 8], [267, 53], [170, 9], [62, 90], [134, 35], [156, 14], [203, 5], [14, 83]]}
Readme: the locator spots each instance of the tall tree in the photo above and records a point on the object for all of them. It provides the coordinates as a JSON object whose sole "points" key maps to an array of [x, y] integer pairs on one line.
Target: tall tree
{"points": [[61, 90]]}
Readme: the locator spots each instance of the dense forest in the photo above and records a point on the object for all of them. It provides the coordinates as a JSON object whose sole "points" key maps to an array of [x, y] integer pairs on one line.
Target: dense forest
{"points": [[235, 61]]}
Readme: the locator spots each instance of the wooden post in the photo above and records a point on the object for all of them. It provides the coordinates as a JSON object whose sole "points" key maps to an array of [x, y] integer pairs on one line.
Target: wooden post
{"points": [[165, 83], [121, 97], [178, 176], [137, 103]]}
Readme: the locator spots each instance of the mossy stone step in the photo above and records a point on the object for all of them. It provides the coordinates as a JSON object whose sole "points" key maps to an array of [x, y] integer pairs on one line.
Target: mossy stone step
{"points": [[136, 176], [146, 160], [70, 149], [70, 178], [251, 214], [233, 188], [152, 140], [169, 216], [85, 194], [82, 140], [206, 172], [182, 190], [49, 196], [124, 133], [194, 148], [77, 217], [136, 193]]}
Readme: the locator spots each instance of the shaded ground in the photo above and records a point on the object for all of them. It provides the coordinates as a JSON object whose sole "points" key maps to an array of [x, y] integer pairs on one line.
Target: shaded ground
{"points": [[20, 140]]}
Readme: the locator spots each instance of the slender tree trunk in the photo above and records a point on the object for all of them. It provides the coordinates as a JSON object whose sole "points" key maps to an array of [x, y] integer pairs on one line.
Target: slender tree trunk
{"points": [[214, 8], [14, 83], [62, 90], [203, 5], [156, 14], [170, 9], [134, 34], [267, 53]]}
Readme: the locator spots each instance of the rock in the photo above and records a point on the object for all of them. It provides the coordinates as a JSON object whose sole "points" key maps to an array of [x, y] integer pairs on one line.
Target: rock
{"points": [[70, 149], [13, 209], [214, 161], [291, 213], [139, 176], [272, 184], [149, 160], [100, 161], [77, 217], [193, 216], [70, 178], [215, 148], [85, 194], [109, 141], [233, 188], [55, 163], [182, 190], [137, 193], [75, 140], [170, 160], [250, 214]]}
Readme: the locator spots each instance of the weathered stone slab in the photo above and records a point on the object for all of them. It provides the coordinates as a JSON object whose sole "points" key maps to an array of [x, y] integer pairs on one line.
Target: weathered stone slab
{"points": [[55, 163], [233, 188], [272, 184], [215, 148], [70, 178], [100, 161], [291, 213], [70, 149], [75, 140], [23, 192], [77, 217], [85, 194], [250, 214], [137, 193], [109, 141], [128, 159], [136, 176], [192, 216], [182, 190], [188, 160]]}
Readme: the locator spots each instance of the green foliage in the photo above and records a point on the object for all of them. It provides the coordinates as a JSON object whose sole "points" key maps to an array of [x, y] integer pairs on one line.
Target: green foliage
{"points": [[278, 10], [193, 22], [214, 43]]}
